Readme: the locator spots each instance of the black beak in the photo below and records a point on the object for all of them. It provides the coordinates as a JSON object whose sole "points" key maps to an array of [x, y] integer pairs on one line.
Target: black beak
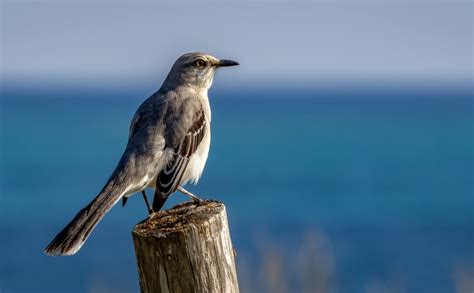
{"points": [[227, 63]]}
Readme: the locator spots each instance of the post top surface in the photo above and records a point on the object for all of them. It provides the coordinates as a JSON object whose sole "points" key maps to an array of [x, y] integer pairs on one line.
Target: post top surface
{"points": [[163, 223]]}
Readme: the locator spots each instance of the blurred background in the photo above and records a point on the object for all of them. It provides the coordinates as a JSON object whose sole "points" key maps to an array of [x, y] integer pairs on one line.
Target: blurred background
{"points": [[342, 146]]}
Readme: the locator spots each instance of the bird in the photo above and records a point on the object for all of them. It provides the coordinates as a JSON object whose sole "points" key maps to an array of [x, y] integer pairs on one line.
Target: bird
{"points": [[168, 145]]}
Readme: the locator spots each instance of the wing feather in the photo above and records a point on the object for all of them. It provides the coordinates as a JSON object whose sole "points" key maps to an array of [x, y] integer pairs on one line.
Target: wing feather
{"points": [[169, 179]]}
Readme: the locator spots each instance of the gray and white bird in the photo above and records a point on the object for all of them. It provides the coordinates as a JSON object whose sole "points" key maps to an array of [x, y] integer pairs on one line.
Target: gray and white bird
{"points": [[168, 146]]}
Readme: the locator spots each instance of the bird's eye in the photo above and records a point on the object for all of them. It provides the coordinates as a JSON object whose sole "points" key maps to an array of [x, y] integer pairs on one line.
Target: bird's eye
{"points": [[199, 63]]}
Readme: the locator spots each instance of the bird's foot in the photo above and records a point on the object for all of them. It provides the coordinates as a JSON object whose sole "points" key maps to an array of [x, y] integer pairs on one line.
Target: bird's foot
{"points": [[196, 199]]}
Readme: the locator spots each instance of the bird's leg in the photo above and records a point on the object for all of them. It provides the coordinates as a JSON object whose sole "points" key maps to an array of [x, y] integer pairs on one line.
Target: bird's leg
{"points": [[150, 211], [190, 195]]}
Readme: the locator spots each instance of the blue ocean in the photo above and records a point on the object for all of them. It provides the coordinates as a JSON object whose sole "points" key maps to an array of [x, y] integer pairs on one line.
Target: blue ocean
{"points": [[327, 189]]}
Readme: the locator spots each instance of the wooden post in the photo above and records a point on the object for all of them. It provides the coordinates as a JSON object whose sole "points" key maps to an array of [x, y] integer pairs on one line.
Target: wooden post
{"points": [[186, 249]]}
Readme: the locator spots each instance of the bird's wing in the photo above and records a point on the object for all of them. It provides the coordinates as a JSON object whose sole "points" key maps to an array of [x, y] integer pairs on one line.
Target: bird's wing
{"points": [[170, 177], [146, 112]]}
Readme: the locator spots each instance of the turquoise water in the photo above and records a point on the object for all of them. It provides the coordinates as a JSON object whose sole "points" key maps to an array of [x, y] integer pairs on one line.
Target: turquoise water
{"points": [[384, 176]]}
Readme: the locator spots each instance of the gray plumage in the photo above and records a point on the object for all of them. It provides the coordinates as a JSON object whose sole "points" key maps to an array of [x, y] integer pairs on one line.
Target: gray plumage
{"points": [[168, 146]]}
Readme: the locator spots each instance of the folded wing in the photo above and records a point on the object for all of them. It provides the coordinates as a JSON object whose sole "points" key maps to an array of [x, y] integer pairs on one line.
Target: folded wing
{"points": [[170, 178]]}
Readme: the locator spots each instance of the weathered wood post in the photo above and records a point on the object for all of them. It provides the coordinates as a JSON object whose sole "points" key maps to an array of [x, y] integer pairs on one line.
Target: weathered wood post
{"points": [[186, 249]]}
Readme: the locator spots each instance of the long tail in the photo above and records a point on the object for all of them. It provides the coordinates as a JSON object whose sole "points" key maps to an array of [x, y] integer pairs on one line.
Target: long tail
{"points": [[73, 236]]}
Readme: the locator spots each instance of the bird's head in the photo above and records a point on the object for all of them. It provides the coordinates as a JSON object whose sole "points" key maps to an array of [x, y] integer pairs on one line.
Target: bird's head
{"points": [[195, 69]]}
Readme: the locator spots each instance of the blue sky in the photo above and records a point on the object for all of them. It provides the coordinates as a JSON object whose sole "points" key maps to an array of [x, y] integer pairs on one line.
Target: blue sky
{"points": [[274, 41]]}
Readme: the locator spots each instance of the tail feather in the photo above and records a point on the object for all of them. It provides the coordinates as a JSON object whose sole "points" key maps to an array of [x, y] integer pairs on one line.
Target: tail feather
{"points": [[73, 236]]}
